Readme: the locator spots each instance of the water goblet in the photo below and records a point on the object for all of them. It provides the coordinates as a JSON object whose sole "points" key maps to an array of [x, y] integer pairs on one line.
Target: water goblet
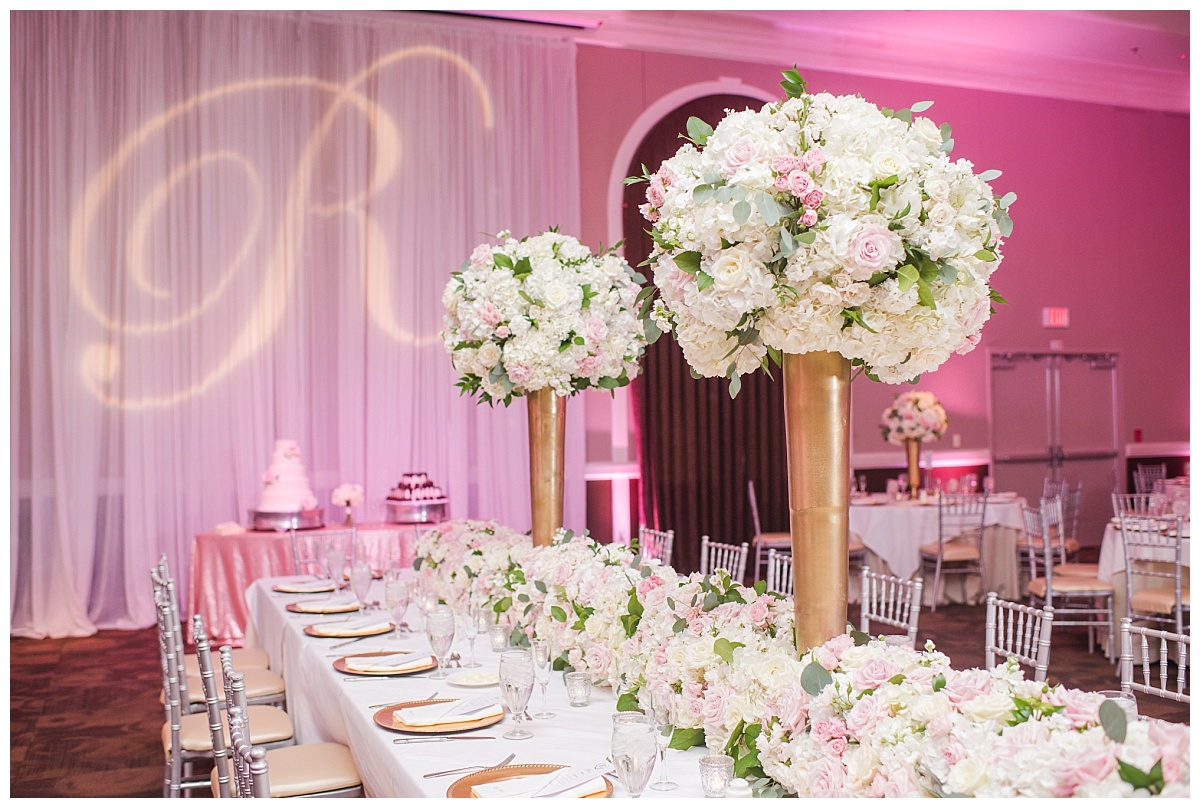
{"points": [[541, 671], [659, 710], [439, 628], [333, 563], [902, 484], [633, 751], [360, 581], [516, 685], [862, 483], [395, 595], [469, 628], [1126, 701]]}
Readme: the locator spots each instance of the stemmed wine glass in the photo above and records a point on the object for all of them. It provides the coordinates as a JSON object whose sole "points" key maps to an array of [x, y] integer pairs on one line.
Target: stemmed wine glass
{"points": [[395, 595], [541, 671], [360, 581], [334, 562], [516, 684], [633, 753], [469, 628], [658, 709], [439, 628]]}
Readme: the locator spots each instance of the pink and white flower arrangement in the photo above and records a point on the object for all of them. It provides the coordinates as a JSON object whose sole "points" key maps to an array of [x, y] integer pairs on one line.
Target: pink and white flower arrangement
{"points": [[542, 312], [347, 495], [823, 223], [915, 414], [471, 562]]}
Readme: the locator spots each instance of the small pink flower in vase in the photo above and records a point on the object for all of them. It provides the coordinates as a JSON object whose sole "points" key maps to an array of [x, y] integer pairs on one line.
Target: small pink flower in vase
{"points": [[348, 495]]}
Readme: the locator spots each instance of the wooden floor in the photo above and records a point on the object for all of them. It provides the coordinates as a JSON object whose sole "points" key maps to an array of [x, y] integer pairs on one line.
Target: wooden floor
{"points": [[86, 716]]}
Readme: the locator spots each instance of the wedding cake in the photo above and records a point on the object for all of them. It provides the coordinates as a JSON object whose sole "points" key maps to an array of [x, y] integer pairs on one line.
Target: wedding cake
{"points": [[416, 500], [287, 499]]}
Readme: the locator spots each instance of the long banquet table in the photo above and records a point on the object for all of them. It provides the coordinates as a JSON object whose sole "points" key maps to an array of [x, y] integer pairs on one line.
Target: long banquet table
{"points": [[325, 706], [893, 532], [223, 565]]}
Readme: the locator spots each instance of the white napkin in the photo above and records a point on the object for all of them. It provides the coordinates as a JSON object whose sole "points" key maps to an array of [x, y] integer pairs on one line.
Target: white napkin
{"points": [[319, 605], [352, 627], [393, 663], [430, 715], [525, 786], [305, 586]]}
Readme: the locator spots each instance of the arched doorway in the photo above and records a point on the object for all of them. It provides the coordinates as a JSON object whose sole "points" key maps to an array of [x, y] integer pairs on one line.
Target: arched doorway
{"points": [[698, 448]]}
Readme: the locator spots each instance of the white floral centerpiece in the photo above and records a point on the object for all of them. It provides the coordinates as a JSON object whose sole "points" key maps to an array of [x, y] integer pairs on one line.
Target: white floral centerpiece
{"points": [[823, 223], [542, 312], [914, 415], [347, 495], [472, 562]]}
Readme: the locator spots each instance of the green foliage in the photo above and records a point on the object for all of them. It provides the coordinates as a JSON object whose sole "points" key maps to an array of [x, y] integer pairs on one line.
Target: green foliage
{"points": [[558, 613], [1152, 780], [814, 678], [688, 261], [698, 131], [1113, 720], [724, 648], [792, 83], [683, 738], [628, 703]]}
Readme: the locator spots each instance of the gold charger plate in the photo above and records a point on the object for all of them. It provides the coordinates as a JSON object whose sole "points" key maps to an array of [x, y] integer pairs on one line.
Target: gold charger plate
{"points": [[299, 589], [462, 786], [340, 664], [309, 630], [385, 719], [333, 608]]}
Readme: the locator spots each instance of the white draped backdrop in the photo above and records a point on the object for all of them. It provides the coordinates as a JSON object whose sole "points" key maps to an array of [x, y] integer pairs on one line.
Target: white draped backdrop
{"points": [[229, 228]]}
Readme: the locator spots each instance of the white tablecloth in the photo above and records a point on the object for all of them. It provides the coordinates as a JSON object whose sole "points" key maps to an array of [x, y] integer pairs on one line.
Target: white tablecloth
{"points": [[895, 531], [326, 707], [1111, 566]]}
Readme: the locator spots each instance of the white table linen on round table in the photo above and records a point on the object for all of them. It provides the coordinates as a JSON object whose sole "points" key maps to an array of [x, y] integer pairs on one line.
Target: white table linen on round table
{"points": [[325, 707], [1111, 568], [894, 532]]}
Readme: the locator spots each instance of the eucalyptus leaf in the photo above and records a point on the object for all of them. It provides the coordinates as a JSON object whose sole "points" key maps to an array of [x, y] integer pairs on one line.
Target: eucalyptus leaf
{"points": [[948, 145], [735, 386], [985, 255], [921, 106], [702, 193], [906, 276], [1007, 199], [860, 637], [558, 613], [741, 212], [653, 332], [767, 208], [815, 678], [698, 131], [1113, 720], [807, 237], [991, 174]]}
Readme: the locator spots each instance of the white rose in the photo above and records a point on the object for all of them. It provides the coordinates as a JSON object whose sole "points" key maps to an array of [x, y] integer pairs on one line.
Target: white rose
{"points": [[968, 776], [991, 707], [888, 162], [928, 132], [556, 294], [942, 215], [938, 189], [487, 357], [730, 270]]}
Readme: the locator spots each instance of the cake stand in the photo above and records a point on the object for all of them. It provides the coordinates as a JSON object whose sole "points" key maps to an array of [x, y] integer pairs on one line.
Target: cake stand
{"points": [[286, 520], [419, 512]]}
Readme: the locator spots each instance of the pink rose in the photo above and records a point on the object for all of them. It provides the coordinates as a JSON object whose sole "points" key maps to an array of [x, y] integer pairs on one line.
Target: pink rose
{"points": [[693, 690], [655, 196], [561, 574], [744, 151], [836, 647], [660, 656], [799, 183], [792, 708], [826, 728], [864, 716], [952, 752], [1081, 708], [941, 725], [964, 686], [667, 175], [814, 159], [598, 658], [920, 676], [487, 312], [1091, 764], [502, 332], [783, 163], [782, 184], [873, 247], [648, 583], [518, 372], [716, 705], [648, 212], [813, 198], [696, 706], [596, 329], [696, 626], [826, 777], [808, 218], [481, 256], [836, 746], [873, 674], [588, 365]]}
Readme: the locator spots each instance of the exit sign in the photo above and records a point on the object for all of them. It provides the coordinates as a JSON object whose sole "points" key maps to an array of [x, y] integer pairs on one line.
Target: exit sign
{"points": [[1053, 317]]}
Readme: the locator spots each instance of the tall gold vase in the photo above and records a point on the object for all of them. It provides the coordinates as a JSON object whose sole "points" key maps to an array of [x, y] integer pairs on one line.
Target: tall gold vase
{"points": [[547, 450], [912, 446], [816, 400]]}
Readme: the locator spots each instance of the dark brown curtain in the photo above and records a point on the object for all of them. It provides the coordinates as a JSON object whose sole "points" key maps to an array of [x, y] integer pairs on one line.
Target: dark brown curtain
{"points": [[698, 447]]}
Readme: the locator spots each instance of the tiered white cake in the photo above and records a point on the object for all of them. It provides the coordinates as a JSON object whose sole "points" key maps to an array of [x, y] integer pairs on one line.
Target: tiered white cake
{"points": [[287, 499]]}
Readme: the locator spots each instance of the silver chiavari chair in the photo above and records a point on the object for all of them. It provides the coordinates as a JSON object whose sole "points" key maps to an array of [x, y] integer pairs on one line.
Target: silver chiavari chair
{"points": [[728, 557], [1171, 647], [779, 573], [659, 544], [1014, 630], [892, 601]]}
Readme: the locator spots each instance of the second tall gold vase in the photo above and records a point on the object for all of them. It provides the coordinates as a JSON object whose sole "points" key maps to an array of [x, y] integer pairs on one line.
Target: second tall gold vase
{"points": [[816, 402], [912, 447], [547, 451]]}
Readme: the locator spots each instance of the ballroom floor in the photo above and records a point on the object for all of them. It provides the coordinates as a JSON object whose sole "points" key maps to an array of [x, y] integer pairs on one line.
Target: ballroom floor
{"points": [[85, 715]]}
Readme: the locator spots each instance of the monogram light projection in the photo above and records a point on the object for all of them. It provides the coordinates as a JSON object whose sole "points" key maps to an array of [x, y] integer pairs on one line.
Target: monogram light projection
{"points": [[275, 214]]}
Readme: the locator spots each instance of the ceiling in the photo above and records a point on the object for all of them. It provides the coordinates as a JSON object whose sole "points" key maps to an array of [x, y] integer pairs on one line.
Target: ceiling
{"points": [[1129, 58]]}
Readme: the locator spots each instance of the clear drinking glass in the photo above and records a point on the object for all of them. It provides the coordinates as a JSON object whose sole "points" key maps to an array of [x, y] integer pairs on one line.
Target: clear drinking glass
{"points": [[541, 671], [439, 628], [1125, 701], [360, 582], [862, 483], [516, 685], [395, 595], [902, 484], [633, 753], [333, 561], [469, 628], [579, 688], [659, 710]]}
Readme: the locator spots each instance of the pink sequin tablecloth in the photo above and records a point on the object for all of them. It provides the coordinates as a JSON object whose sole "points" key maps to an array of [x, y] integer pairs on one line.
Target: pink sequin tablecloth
{"points": [[223, 566]]}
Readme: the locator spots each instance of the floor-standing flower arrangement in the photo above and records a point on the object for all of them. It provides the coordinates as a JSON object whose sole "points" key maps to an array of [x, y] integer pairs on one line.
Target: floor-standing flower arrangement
{"points": [[914, 415], [823, 223], [542, 311]]}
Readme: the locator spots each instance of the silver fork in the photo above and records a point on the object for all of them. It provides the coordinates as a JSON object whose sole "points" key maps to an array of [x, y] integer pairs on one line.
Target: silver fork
{"points": [[465, 769]]}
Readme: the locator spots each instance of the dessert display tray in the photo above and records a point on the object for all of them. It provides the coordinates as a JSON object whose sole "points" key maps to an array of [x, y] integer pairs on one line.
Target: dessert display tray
{"points": [[300, 520], [428, 511]]}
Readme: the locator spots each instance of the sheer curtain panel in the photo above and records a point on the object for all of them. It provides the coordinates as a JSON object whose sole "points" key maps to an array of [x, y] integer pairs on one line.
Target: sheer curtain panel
{"points": [[233, 227]]}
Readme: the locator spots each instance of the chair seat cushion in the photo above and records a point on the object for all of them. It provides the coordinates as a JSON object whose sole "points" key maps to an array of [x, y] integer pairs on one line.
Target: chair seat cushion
{"points": [[311, 768], [1066, 585], [1159, 601], [952, 551], [1077, 570], [773, 539], [259, 683], [267, 725], [243, 659]]}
